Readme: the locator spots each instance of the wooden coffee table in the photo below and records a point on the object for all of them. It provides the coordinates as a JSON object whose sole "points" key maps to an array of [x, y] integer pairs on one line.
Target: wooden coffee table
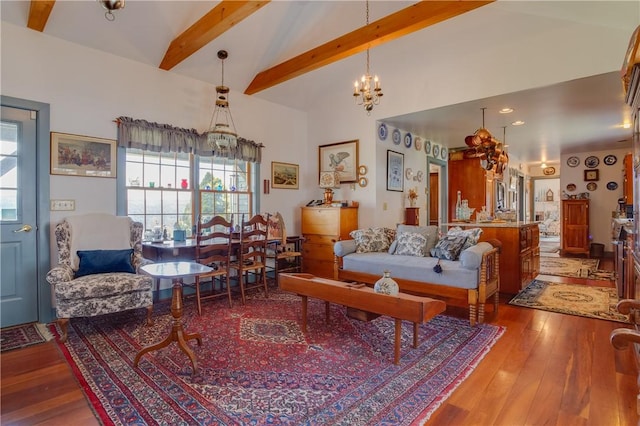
{"points": [[407, 307]]}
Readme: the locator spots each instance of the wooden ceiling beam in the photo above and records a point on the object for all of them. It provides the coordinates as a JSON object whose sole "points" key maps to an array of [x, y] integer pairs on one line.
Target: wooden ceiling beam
{"points": [[221, 18], [391, 27], [39, 11]]}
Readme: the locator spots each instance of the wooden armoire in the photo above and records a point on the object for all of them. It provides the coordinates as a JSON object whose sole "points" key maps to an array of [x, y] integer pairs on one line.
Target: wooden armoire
{"points": [[575, 227], [474, 183]]}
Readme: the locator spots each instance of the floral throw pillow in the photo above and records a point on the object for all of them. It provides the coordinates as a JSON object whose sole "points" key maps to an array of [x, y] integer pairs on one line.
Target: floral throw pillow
{"points": [[410, 244], [449, 247], [370, 240], [473, 235]]}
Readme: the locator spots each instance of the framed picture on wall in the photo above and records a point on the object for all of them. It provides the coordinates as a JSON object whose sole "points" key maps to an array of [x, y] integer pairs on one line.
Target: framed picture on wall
{"points": [[591, 175], [341, 157], [284, 175], [75, 155], [395, 168]]}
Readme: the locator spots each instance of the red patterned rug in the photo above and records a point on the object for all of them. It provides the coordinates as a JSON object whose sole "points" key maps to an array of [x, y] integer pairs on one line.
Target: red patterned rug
{"points": [[24, 335], [257, 367]]}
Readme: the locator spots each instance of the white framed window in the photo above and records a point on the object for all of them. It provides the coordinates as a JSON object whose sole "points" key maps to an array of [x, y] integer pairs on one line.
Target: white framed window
{"points": [[161, 195]]}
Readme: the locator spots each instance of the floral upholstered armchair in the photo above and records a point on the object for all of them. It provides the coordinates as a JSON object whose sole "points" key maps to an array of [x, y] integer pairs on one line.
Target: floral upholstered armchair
{"points": [[98, 259]]}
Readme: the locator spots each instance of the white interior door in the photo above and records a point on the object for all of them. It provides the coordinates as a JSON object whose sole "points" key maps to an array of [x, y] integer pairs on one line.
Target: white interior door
{"points": [[18, 205]]}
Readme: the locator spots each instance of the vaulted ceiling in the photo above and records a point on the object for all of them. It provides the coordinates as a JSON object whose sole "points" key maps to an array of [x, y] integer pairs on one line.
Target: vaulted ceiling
{"points": [[277, 47]]}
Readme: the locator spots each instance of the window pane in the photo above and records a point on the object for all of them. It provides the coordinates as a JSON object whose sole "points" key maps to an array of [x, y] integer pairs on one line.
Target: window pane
{"points": [[169, 202], [9, 201], [8, 171], [153, 201], [135, 202]]}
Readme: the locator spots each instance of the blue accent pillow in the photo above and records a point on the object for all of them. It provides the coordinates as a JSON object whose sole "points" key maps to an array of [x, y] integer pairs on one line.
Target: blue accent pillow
{"points": [[102, 261]]}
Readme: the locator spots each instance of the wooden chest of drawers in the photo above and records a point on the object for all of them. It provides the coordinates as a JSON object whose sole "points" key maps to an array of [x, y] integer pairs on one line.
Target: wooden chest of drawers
{"points": [[321, 228]]}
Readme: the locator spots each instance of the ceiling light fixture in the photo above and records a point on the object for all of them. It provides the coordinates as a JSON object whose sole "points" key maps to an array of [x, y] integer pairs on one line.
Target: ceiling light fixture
{"points": [[517, 123], [367, 91], [222, 130], [111, 5], [506, 110]]}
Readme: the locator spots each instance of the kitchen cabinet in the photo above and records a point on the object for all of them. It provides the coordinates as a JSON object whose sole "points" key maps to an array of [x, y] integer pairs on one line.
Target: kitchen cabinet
{"points": [[575, 227]]}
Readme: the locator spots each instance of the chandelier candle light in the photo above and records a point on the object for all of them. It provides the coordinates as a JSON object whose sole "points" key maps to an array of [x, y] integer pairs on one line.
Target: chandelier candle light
{"points": [[222, 130], [367, 91]]}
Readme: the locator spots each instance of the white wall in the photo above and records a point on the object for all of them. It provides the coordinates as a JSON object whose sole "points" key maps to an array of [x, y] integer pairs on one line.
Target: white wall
{"points": [[602, 201], [88, 89]]}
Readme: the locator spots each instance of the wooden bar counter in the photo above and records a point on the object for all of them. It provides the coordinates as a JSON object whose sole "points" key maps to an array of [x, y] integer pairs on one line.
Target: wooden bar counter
{"points": [[520, 254]]}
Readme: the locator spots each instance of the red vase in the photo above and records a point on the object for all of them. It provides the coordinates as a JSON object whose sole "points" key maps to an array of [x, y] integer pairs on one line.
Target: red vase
{"points": [[184, 184]]}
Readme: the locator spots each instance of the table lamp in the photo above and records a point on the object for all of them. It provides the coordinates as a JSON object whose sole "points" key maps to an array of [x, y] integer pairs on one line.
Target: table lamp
{"points": [[328, 181]]}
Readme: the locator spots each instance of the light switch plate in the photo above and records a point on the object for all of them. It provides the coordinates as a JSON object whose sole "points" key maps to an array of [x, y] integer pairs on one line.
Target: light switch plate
{"points": [[62, 205]]}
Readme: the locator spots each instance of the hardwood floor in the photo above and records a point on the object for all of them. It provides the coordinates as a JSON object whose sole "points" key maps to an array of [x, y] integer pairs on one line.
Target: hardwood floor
{"points": [[547, 368]]}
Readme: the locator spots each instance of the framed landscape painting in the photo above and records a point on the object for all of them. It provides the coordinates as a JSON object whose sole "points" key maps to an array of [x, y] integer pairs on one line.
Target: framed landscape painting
{"points": [[341, 157], [395, 171], [284, 175], [75, 155]]}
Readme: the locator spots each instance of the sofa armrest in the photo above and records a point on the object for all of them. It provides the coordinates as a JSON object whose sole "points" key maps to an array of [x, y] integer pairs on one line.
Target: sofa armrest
{"points": [[344, 247], [471, 258], [60, 274]]}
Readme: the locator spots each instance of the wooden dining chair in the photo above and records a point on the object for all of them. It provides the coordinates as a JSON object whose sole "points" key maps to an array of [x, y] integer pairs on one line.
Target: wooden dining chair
{"points": [[214, 249], [251, 257]]}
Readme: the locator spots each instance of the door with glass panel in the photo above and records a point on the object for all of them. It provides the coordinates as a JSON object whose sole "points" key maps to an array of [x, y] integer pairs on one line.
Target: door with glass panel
{"points": [[18, 254]]}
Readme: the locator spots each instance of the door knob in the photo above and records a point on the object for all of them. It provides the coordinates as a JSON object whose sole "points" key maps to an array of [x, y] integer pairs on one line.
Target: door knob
{"points": [[25, 228]]}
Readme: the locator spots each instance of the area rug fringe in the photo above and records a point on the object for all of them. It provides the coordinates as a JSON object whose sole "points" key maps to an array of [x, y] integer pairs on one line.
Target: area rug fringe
{"points": [[340, 373]]}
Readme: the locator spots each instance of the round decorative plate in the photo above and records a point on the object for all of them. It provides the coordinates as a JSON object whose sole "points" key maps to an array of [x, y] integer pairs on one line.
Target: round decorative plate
{"points": [[383, 132], [419, 175], [548, 171], [362, 170], [427, 147], [571, 187], [573, 161], [592, 162], [612, 186], [408, 173], [592, 186], [407, 140], [436, 151], [396, 136], [417, 143], [610, 160], [363, 181], [443, 153]]}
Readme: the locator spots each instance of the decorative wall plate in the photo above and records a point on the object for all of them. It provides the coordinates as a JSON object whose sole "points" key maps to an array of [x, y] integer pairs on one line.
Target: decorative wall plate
{"points": [[427, 147], [408, 173], [362, 170], [435, 150], [610, 160], [443, 152], [612, 186], [419, 175], [382, 131], [592, 162], [417, 143], [548, 171], [592, 186], [573, 161], [362, 181], [396, 136], [571, 187], [407, 140]]}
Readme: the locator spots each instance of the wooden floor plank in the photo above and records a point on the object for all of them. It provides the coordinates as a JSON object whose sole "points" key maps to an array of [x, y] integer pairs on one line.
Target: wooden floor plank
{"points": [[547, 368]]}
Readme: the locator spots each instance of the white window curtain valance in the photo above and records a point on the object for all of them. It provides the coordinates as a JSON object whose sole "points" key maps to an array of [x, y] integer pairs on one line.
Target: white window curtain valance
{"points": [[142, 134]]}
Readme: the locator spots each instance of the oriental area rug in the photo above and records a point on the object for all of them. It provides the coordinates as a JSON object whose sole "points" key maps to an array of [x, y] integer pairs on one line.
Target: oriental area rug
{"points": [[572, 299], [23, 335], [257, 367], [574, 268]]}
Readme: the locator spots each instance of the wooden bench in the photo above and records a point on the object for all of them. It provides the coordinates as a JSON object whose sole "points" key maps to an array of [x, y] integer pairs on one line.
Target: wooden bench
{"points": [[416, 309]]}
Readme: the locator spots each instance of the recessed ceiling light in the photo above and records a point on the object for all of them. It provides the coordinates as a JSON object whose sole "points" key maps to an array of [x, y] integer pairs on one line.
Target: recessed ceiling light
{"points": [[506, 110], [517, 123], [543, 165], [626, 125]]}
